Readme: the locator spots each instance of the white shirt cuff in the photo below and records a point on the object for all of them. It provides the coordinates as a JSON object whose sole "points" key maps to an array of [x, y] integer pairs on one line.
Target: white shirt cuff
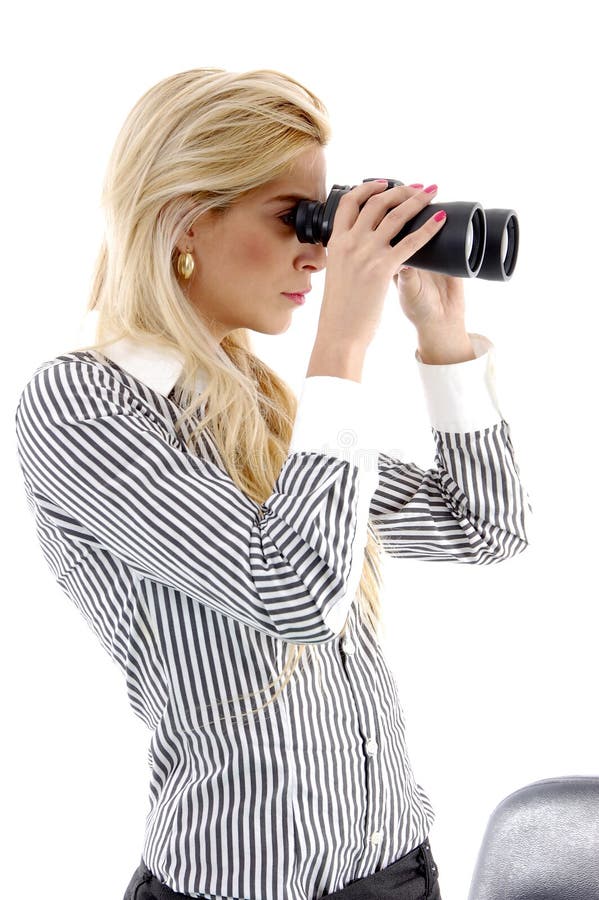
{"points": [[331, 418], [461, 397]]}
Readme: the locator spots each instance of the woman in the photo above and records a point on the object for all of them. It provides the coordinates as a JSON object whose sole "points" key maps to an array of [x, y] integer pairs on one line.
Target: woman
{"points": [[211, 528]]}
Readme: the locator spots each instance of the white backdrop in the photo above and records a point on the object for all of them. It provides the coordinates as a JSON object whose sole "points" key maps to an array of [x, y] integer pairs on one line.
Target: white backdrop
{"points": [[497, 665]]}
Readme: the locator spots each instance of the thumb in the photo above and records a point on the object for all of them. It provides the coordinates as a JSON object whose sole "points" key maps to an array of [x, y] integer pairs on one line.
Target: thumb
{"points": [[404, 273]]}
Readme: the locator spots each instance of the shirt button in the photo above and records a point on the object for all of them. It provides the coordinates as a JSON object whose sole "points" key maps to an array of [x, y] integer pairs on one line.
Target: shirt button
{"points": [[348, 646], [371, 746], [376, 837]]}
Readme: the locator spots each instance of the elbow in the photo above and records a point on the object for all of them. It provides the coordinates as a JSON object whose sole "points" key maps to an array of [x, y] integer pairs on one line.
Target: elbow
{"points": [[335, 619], [511, 546], [321, 627]]}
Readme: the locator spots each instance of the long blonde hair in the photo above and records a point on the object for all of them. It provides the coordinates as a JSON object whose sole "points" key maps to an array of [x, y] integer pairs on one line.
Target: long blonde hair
{"points": [[196, 141]]}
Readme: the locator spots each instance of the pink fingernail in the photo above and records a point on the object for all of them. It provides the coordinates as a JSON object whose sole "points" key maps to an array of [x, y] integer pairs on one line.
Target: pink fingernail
{"points": [[438, 217]]}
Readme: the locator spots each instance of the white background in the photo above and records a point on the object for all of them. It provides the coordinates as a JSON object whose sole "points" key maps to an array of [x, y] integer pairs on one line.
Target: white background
{"points": [[497, 665]]}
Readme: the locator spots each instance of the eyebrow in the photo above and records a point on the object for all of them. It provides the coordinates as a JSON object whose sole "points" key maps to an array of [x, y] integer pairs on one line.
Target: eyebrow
{"points": [[290, 197]]}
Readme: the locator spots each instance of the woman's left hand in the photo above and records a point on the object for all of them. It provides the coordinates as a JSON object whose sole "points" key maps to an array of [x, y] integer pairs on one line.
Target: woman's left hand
{"points": [[431, 301]]}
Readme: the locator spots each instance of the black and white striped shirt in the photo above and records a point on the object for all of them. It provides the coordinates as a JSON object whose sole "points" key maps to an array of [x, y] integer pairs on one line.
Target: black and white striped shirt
{"points": [[195, 591]]}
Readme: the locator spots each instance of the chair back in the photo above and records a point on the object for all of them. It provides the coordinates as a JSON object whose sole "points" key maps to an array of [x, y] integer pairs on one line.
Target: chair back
{"points": [[542, 843]]}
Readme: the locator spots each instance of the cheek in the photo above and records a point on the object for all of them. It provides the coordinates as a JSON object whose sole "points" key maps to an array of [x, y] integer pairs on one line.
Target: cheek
{"points": [[255, 251]]}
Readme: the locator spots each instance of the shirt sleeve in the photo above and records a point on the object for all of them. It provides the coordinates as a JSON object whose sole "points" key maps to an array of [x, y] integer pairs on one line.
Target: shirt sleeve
{"points": [[107, 471], [471, 506]]}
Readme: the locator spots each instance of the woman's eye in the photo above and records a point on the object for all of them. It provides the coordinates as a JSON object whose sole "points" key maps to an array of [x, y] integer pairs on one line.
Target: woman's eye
{"points": [[287, 218]]}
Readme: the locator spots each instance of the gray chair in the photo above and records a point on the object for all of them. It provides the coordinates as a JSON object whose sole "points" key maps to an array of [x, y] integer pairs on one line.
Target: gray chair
{"points": [[542, 843]]}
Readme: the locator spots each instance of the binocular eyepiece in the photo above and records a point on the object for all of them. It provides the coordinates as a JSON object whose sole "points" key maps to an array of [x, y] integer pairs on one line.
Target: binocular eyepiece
{"points": [[474, 242]]}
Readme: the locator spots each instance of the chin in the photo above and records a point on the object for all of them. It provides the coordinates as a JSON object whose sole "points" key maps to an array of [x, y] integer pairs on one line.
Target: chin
{"points": [[285, 327], [272, 329]]}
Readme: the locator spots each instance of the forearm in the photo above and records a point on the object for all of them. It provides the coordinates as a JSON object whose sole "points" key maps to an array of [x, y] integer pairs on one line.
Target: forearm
{"points": [[333, 358]]}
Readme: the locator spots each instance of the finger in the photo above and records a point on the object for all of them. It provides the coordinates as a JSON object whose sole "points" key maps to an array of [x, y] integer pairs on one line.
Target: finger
{"points": [[411, 243], [349, 205], [392, 202], [406, 273], [392, 221]]}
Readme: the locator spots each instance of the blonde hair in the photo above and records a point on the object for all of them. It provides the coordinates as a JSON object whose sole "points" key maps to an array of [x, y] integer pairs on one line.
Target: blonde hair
{"points": [[197, 141]]}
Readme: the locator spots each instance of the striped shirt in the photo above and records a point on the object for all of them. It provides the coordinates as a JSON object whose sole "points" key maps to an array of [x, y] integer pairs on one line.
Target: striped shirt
{"points": [[195, 591]]}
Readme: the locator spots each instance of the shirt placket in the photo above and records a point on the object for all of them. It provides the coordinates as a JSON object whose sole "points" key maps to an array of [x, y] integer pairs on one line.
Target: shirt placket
{"points": [[370, 738]]}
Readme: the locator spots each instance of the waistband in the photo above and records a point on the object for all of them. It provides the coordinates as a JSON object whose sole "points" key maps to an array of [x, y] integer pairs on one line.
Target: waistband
{"points": [[412, 877]]}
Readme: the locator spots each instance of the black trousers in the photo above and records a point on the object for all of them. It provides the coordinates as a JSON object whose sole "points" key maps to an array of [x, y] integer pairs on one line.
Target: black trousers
{"points": [[412, 877]]}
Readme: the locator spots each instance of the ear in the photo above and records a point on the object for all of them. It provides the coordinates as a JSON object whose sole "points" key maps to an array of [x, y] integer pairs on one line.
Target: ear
{"points": [[184, 243], [203, 220]]}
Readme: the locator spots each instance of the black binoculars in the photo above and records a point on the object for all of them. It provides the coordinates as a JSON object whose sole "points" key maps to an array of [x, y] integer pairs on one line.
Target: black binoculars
{"points": [[474, 242]]}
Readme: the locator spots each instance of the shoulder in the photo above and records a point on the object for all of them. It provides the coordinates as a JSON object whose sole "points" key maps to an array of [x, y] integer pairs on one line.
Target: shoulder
{"points": [[79, 385]]}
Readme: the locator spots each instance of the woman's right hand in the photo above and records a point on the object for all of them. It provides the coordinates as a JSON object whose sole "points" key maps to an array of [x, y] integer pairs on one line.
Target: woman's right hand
{"points": [[361, 261]]}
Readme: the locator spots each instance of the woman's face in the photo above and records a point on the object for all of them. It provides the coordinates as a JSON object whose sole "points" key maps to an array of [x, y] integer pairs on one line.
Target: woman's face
{"points": [[246, 258]]}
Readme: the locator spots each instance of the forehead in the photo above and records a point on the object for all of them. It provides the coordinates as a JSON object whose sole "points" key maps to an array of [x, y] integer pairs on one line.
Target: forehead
{"points": [[305, 180]]}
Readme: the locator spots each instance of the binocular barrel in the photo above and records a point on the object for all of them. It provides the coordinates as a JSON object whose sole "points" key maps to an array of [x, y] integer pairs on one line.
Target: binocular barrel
{"points": [[474, 242]]}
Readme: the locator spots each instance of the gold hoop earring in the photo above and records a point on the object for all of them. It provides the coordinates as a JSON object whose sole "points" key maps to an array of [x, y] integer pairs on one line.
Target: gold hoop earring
{"points": [[185, 264]]}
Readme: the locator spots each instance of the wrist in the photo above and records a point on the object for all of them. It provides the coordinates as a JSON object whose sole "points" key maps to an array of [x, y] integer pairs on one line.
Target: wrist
{"points": [[330, 357], [444, 347]]}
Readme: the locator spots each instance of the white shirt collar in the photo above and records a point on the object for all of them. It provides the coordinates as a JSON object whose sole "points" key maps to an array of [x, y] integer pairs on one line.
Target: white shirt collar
{"points": [[156, 366]]}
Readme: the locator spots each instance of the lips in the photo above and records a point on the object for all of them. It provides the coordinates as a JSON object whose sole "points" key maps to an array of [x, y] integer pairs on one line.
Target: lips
{"points": [[295, 293]]}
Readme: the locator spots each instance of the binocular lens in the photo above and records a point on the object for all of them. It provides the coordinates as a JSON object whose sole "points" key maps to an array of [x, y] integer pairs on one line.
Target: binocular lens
{"points": [[501, 250], [504, 246], [511, 237], [476, 237], [469, 239]]}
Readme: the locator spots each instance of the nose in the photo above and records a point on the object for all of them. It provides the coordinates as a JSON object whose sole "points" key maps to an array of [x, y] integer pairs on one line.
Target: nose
{"points": [[315, 257]]}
